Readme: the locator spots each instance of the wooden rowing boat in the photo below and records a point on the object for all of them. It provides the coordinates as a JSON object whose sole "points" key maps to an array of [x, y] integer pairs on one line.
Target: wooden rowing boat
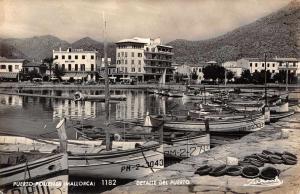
{"points": [[249, 123], [24, 173]]}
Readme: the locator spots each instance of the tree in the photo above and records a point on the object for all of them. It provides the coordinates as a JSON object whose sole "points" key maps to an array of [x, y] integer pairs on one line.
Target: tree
{"points": [[280, 77], [229, 75], [59, 72], [32, 74], [49, 62], [194, 75], [214, 72], [259, 77], [246, 77]]}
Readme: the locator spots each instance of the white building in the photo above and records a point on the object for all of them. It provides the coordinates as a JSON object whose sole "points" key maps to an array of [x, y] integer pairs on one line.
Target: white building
{"points": [[234, 67], [144, 58], [258, 64], [77, 63], [189, 68], [10, 68]]}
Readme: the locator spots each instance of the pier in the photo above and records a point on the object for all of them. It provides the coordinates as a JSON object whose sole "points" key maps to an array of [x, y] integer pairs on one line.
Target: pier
{"points": [[273, 137]]}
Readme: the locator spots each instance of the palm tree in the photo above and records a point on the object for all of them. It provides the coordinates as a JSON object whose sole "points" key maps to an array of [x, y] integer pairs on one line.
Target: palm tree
{"points": [[49, 62]]}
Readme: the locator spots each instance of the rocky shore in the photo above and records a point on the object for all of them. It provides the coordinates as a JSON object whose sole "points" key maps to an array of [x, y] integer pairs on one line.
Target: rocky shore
{"points": [[180, 178]]}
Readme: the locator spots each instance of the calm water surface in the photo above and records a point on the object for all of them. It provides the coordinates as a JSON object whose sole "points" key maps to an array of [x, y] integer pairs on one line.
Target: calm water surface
{"points": [[38, 116]]}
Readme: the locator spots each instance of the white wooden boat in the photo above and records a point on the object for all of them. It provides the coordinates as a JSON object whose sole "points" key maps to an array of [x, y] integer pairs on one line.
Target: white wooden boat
{"points": [[78, 96], [33, 173], [247, 105], [201, 96], [187, 146], [275, 116], [249, 123], [175, 94], [126, 160]]}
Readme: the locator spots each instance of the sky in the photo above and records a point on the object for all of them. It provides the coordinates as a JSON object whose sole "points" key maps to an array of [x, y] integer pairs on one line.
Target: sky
{"points": [[71, 20]]}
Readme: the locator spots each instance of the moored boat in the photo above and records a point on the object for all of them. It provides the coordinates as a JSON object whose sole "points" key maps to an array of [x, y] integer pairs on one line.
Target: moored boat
{"points": [[249, 123], [32, 172]]}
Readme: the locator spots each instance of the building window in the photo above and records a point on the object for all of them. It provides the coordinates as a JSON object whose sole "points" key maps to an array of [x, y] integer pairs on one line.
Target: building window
{"points": [[273, 64], [56, 66], [132, 54], [70, 67], [140, 54], [255, 70], [273, 71], [122, 54], [63, 67], [250, 64], [200, 69], [140, 69], [69, 57], [125, 54], [140, 62], [132, 62], [92, 67], [83, 56], [92, 56], [3, 66], [268, 64], [255, 64], [63, 57], [17, 67], [76, 67], [82, 67], [56, 57], [133, 69], [262, 64], [76, 56], [125, 61]]}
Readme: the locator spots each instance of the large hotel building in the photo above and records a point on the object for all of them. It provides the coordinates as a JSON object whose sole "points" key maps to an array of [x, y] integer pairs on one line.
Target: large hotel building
{"points": [[144, 59]]}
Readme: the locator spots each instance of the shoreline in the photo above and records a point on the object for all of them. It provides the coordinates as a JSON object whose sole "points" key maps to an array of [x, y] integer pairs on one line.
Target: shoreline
{"points": [[14, 85]]}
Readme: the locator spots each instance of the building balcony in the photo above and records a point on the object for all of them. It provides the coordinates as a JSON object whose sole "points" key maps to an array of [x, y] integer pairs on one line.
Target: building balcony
{"points": [[159, 52], [158, 67], [155, 59]]}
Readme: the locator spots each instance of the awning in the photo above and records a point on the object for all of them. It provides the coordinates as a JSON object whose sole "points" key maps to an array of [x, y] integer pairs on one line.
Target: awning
{"points": [[67, 76], [8, 75], [80, 75]]}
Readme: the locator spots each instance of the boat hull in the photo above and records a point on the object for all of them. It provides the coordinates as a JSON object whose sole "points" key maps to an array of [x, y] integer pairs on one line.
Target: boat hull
{"points": [[239, 125], [36, 174], [128, 165], [277, 116], [187, 147]]}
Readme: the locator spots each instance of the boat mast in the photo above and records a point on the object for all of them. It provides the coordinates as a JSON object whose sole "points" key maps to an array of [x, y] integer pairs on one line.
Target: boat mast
{"points": [[266, 98], [107, 135], [286, 76]]}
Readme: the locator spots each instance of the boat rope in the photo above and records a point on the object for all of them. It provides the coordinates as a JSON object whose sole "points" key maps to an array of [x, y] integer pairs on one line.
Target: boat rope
{"points": [[147, 161]]}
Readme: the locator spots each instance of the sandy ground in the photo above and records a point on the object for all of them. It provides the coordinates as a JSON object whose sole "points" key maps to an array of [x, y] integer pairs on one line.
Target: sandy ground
{"points": [[282, 136]]}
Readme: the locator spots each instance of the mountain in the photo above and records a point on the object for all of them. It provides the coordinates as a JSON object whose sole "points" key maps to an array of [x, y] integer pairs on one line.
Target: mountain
{"points": [[278, 33], [9, 51], [90, 44], [37, 47]]}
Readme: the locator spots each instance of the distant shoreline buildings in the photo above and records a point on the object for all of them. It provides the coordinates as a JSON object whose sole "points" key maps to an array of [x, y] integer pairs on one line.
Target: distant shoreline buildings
{"points": [[140, 59]]}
